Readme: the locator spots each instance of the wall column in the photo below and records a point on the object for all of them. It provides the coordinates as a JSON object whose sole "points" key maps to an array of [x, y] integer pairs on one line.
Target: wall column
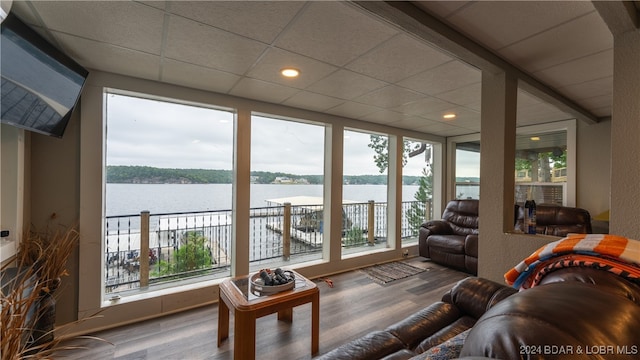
{"points": [[625, 128], [241, 194], [497, 165]]}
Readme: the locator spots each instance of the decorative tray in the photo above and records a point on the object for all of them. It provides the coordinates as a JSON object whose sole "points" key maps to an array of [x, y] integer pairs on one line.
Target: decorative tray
{"points": [[259, 287]]}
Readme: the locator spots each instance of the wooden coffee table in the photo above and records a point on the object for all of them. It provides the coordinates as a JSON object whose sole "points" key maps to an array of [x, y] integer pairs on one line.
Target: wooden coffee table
{"points": [[235, 295]]}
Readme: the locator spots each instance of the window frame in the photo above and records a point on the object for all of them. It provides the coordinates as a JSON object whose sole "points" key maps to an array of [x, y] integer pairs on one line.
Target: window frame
{"points": [[91, 202], [564, 125]]}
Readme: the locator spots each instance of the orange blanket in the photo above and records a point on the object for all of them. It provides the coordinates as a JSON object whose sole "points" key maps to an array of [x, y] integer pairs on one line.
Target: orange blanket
{"points": [[621, 249]]}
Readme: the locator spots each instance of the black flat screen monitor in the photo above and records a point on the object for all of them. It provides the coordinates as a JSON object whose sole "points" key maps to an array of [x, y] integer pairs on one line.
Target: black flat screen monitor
{"points": [[40, 84]]}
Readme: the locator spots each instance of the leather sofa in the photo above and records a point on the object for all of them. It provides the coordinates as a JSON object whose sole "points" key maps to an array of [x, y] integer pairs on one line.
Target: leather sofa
{"points": [[453, 240], [458, 311], [576, 313], [556, 220]]}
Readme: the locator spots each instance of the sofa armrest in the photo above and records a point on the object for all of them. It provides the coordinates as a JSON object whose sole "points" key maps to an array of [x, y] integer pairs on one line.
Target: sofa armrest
{"points": [[374, 345], [424, 323], [439, 227], [474, 295]]}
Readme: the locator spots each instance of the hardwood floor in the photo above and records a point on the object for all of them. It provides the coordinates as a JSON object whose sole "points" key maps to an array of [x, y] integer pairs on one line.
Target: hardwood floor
{"points": [[353, 307]]}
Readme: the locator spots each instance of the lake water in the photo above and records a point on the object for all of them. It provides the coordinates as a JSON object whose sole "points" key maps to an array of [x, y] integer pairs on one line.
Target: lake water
{"points": [[129, 199]]}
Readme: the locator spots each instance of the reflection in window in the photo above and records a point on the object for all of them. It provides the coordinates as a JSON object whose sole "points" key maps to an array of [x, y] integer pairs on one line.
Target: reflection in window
{"points": [[541, 167], [467, 174]]}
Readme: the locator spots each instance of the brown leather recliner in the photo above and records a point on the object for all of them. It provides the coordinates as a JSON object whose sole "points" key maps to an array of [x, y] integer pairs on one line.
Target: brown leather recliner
{"points": [[557, 220], [453, 240]]}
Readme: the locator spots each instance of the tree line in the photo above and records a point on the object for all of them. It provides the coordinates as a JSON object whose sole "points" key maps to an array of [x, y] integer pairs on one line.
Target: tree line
{"points": [[120, 174]]}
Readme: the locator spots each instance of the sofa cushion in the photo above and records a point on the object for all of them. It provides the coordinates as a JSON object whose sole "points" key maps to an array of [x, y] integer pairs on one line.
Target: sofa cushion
{"points": [[448, 243], [403, 354], [447, 350], [374, 345], [424, 323], [446, 333], [573, 316]]}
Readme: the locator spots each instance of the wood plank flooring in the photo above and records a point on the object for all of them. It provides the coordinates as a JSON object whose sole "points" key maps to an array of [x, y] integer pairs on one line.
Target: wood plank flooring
{"points": [[353, 307]]}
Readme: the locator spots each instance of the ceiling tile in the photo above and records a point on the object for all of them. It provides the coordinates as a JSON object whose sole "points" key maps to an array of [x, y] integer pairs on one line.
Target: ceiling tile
{"points": [[444, 129], [346, 85], [384, 117], [333, 32], [587, 89], [596, 102], [443, 78], [352, 110], [539, 113], [442, 9], [109, 58], [262, 90], [462, 115], [424, 106], [525, 98], [602, 112], [466, 95], [269, 66], [389, 97], [158, 4], [259, 20], [199, 44], [398, 58], [312, 101], [501, 23], [412, 122], [595, 66], [127, 24], [557, 45], [198, 77]]}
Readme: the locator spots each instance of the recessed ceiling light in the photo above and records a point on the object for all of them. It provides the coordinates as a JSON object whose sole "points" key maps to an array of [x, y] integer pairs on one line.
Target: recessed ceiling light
{"points": [[535, 138], [290, 72], [449, 116]]}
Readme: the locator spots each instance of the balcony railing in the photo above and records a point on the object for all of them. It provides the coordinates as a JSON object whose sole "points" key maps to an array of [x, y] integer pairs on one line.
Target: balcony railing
{"points": [[158, 249]]}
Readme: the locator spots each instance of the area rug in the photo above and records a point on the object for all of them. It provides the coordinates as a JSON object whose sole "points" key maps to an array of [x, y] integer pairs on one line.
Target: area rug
{"points": [[385, 273]]}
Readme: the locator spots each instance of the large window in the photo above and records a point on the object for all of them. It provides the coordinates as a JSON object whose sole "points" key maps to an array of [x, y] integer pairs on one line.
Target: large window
{"points": [[168, 170], [417, 188], [364, 192], [287, 174]]}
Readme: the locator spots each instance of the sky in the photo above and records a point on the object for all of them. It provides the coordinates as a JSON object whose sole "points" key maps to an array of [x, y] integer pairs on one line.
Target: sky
{"points": [[166, 135]]}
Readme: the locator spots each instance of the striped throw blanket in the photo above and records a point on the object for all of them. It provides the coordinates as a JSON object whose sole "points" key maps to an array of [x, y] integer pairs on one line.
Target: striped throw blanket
{"points": [[613, 253]]}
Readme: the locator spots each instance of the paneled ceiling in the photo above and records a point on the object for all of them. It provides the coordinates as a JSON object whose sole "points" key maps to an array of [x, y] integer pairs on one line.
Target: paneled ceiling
{"points": [[353, 62]]}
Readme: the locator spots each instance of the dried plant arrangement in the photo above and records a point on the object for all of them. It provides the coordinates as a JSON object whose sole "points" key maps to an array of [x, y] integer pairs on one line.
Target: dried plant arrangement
{"points": [[28, 288], [48, 252]]}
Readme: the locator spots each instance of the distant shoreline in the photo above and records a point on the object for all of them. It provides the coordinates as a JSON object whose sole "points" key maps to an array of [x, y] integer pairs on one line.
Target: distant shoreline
{"points": [[119, 174]]}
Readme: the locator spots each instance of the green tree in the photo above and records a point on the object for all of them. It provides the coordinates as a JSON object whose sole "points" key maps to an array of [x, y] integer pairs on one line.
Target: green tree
{"points": [[380, 145], [193, 254], [416, 213], [546, 160]]}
